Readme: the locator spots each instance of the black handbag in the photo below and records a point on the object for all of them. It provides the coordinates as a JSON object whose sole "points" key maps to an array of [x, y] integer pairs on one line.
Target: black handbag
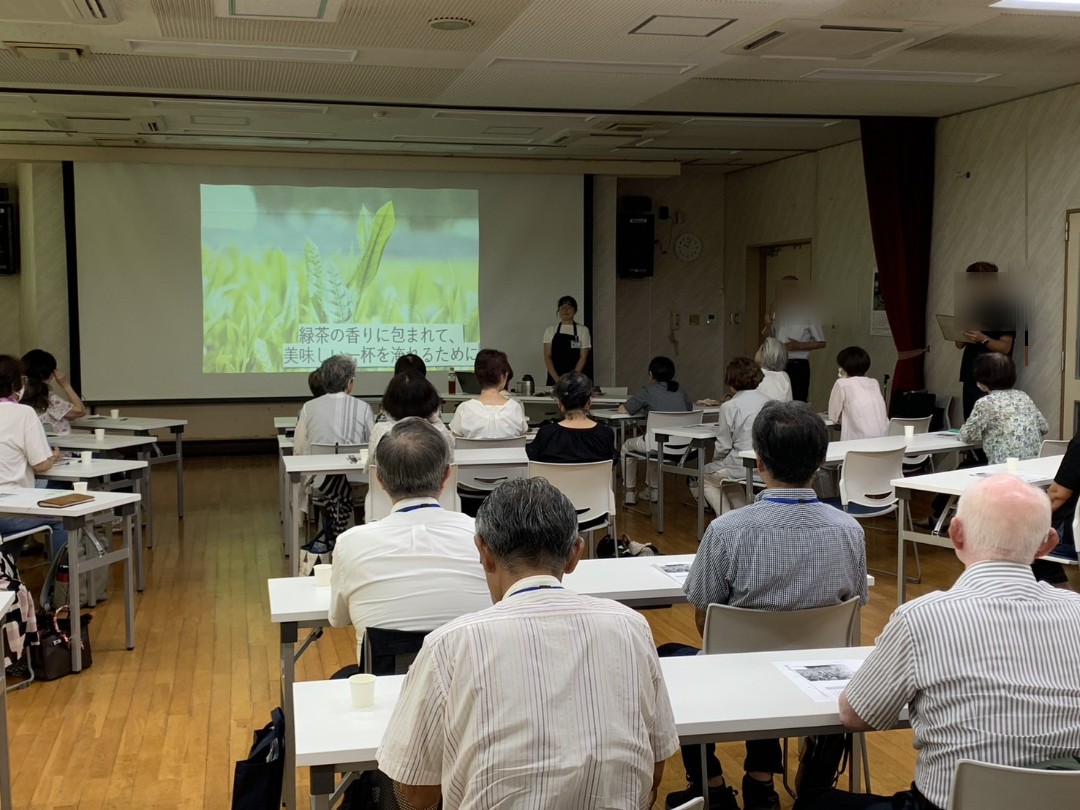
{"points": [[257, 780], [51, 656]]}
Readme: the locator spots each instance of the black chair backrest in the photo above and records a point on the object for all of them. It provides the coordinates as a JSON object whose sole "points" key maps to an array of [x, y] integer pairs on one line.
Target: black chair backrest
{"points": [[390, 652]]}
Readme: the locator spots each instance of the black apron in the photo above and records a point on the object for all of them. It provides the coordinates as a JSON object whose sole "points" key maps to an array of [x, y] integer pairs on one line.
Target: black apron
{"points": [[565, 351]]}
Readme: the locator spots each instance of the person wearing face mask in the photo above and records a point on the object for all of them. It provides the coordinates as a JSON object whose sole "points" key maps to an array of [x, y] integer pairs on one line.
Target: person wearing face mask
{"points": [[567, 345], [24, 450], [856, 402]]}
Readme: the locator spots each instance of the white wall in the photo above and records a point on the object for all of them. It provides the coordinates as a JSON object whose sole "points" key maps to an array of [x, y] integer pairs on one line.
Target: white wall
{"points": [[820, 197], [1024, 160]]}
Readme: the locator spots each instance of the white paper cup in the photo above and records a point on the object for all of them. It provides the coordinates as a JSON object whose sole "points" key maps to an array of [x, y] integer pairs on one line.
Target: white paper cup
{"points": [[322, 575], [362, 688], [909, 432], [80, 486], [1012, 464], [99, 434], [86, 456], [114, 413]]}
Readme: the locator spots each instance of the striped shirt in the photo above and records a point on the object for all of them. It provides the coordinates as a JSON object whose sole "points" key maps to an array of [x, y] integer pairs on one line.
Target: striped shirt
{"points": [[547, 699], [333, 419], [989, 669], [786, 551]]}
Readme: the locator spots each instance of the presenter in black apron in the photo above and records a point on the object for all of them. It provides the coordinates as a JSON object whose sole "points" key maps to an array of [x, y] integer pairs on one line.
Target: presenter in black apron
{"points": [[568, 345]]}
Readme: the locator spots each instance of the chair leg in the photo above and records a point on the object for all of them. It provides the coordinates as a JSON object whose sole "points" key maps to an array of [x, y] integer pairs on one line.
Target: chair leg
{"points": [[784, 762], [865, 763]]}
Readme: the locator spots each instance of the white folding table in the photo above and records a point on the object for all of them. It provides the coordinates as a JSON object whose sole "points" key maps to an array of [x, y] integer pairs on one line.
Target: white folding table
{"points": [[23, 502], [714, 698], [285, 424], [1038, 471], [144, 426], [102, 470]]}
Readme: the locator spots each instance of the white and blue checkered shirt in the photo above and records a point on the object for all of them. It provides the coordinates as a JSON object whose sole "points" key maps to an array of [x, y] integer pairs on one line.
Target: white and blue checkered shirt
{"points": [[786, 551]]}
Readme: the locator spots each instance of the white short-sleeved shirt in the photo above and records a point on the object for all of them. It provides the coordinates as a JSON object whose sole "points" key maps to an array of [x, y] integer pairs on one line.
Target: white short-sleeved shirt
{"points": [[515, 706], [776, 385], [22, 444], [568, 329], [333, 419], [858, 406], [800, 327], [475, 420], [412, 570]]}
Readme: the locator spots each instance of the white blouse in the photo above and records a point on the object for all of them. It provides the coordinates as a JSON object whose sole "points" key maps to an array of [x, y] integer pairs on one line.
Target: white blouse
{"points": [[776, 385], [856, 403], [475, 420]]}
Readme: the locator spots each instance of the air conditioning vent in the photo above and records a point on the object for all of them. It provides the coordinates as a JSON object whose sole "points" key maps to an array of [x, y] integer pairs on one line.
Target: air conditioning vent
{"points": [[757, 43], [813, 39], [99, 12]]}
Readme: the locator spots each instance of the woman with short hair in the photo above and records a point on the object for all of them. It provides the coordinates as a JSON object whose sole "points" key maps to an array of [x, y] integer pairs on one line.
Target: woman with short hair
{"points": [[856, 402], [734, 433], [576, 438], [1005, 420], [772, 358], [494, 414], [24, 450]]}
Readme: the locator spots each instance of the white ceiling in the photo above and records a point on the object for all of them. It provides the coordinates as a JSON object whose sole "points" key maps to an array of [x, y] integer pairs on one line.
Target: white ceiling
{"points": [[595, 79]]}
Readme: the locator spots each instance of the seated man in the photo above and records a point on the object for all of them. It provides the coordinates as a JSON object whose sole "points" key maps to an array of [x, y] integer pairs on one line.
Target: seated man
{"points": [[989, 669], [416, 568], [785, 551], [546, 700]]}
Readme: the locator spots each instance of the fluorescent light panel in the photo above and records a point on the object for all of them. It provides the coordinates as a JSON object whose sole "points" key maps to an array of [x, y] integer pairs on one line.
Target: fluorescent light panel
{"points": [[1065, 6], [909, 76], [679, 26], [563, 66], [214, 50]]}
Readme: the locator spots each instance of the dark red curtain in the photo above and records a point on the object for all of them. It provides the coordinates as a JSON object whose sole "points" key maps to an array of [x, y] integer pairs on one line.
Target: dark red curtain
{"points": [[898, 162]]}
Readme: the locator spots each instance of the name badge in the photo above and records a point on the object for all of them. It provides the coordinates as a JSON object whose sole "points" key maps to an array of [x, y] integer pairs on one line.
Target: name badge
{"points": [[575, 344]]}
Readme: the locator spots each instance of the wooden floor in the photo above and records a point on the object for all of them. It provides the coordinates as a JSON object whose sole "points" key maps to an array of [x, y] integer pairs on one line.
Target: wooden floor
{"points": [[161, 726]]}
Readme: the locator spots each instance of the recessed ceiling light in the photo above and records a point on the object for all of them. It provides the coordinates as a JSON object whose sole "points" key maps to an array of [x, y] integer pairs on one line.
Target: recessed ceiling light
{"points": [[450, 23], [1039, 5], [215, 50], [566, 66], [912, 76]]}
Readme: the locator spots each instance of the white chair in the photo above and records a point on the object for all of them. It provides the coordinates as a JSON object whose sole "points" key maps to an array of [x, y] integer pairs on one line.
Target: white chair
{"points": [[945, 403], [676, 449], [1053, 447], [588, 486], [738, 630], [865, 488], [477, 482], [381, 504], [921, 425], [982, 786]]}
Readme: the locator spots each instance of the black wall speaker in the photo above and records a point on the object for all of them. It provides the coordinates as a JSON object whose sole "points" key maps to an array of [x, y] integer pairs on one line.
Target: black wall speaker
{"points": [[9, 239], [634, 238]]}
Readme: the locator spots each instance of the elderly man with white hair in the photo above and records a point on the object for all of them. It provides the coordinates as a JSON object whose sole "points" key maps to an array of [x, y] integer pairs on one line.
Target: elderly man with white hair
{"points": [[546, 700], [989, 669]]}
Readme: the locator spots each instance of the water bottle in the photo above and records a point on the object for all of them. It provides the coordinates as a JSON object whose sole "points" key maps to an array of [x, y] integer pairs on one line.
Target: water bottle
{"points": [[451, 382]]}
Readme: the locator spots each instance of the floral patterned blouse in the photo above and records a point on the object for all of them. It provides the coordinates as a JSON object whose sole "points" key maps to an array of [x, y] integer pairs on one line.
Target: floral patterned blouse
{"points": [[1009, 425]]}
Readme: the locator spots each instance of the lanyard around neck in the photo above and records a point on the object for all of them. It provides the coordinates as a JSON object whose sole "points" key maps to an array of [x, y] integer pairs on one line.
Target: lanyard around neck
{"points": [[414, 507], [539, 588], [790, 500]]}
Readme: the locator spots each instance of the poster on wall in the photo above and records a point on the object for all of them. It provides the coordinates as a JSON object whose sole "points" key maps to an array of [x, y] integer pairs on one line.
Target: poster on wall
{"points": [[879, 319]]}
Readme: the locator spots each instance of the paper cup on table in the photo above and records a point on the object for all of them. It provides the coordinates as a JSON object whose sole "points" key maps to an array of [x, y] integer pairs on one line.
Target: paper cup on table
{"points": [[322, 575], [80, 486], [1012, 464], [114, 413], [362, 688], [909, 432], [99, 434], [86, 456]]}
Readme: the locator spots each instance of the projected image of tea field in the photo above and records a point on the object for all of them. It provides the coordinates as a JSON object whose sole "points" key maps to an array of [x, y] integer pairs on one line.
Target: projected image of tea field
{"points": [[255, 299]]}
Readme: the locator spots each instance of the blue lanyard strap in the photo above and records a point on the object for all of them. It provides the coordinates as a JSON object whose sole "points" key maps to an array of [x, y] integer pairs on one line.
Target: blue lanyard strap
{"points": [[539, 588], [791, 500], [419, 506]]}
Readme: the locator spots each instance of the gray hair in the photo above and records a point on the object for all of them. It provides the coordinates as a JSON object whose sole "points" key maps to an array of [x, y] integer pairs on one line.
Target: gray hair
{"points": [[528, 522], [412, 459], [336, 372], [1004, 518], [773, 354]]}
